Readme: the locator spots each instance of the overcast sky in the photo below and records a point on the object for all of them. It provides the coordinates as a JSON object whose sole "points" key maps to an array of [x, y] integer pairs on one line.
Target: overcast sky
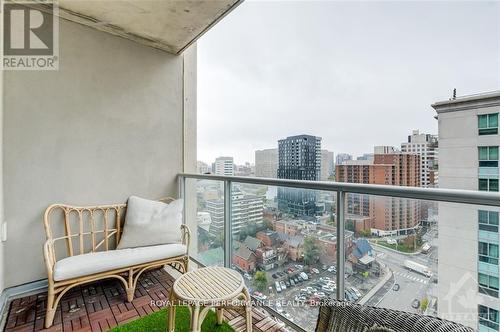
{"points": [[357, 74]]}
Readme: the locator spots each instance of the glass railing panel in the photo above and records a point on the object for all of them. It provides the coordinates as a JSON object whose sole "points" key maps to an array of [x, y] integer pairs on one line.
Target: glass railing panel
{"points": [[438, 259], [393, 260], [284, 245], [205, 217]]}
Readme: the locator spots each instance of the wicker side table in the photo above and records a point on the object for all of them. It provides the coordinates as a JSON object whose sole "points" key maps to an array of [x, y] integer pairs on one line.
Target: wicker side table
{"points": [[206, 288]]}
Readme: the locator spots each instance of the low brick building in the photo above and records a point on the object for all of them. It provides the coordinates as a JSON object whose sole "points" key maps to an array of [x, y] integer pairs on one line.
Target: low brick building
{"points": [[245, 259]]}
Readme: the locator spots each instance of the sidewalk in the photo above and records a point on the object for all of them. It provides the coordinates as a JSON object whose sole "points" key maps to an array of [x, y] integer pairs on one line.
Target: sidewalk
{"points": [[380, 284]]}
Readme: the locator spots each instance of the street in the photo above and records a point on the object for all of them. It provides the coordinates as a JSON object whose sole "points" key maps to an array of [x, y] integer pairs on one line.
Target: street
{"points": [[412, 285]]}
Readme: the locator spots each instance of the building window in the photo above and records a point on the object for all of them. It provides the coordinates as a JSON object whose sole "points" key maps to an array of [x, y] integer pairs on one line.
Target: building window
{"points": [[488, 221], [488, 253], [488, 124], [488, 285], [488, 318], [488, 156], [488, 184]]}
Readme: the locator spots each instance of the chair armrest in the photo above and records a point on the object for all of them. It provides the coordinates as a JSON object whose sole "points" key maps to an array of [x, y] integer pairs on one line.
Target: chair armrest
{"points": [[49, 257], [186, 236]]}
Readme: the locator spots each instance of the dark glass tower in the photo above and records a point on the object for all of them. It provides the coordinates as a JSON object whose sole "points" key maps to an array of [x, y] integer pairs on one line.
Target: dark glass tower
{"points": [[299, 158]]}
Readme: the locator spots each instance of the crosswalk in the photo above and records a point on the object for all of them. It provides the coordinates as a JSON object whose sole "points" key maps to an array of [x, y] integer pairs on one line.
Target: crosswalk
{"points": [[408, 276]]}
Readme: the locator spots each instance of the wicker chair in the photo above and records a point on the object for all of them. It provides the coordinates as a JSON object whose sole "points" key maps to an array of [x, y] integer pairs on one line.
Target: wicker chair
{"points": [[342, 316], [92, 233]]}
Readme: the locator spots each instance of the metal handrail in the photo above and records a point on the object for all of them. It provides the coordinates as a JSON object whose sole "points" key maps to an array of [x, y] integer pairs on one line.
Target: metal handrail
{"points": [[430, 194], [341, 189]]}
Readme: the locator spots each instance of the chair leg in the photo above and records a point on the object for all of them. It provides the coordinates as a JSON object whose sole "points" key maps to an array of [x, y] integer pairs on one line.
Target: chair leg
{"points": [[51, 307], [130, 286], [171, 312]]}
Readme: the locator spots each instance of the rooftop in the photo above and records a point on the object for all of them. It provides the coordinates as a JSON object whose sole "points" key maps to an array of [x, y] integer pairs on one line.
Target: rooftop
{"points": [[487, 99]]}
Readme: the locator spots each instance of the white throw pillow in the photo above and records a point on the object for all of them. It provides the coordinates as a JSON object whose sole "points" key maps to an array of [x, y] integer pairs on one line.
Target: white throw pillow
{"points": [[150, 223]]}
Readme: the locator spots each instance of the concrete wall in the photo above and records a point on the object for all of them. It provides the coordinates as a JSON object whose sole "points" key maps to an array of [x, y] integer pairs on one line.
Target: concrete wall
{"points": [[110, 123], [1, 166]]}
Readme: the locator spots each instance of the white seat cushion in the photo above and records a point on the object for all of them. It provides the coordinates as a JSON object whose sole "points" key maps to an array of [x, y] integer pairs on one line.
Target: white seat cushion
{"points": [[86, 264]]}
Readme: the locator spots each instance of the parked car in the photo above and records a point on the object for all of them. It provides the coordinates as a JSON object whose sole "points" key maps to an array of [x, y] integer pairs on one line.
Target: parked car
{"points": [[332, 269], [304, 276], [324, 267], [282, 284], [351, 293], [348, 296], [287, 283], [278, 287], [298, 266], [356, 291], [247, 276], [315, 270], [327, 289], [275, 276], [292, 282], [320, 294], [259, 296]]}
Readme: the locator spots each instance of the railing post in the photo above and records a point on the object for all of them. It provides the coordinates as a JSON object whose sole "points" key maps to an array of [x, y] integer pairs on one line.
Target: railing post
{"points": [[182, 194], [227, 223], [340, 244]]}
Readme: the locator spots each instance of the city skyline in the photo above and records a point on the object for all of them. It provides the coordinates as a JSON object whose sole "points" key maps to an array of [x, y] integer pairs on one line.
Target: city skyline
{"points": [[317, 71], [363, 155]]}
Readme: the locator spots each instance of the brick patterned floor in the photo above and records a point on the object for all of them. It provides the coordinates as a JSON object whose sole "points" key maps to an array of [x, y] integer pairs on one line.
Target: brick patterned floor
{"points": [[102, 305]]}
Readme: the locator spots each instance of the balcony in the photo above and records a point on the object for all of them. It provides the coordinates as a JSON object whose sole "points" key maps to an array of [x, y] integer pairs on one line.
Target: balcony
{"points": [[344, 256], [119, 118]]}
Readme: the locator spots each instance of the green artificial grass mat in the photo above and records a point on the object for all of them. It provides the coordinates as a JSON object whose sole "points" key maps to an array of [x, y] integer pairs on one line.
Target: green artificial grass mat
{"points": [[157, 321]]}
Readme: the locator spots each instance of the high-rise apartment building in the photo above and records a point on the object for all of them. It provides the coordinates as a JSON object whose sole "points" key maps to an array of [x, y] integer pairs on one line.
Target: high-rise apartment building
{"points": [[327, 165], [426, 146], [224, 166], [201, 167], [299, 158], [388, 215], [468, 288], [342, 157], [266, 163], [245, 210]]}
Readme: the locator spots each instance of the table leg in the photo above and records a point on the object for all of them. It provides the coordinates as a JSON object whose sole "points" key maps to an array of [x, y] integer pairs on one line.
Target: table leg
{"points": [[171, 312], [248, 309], [220, 316], [195, 319]]}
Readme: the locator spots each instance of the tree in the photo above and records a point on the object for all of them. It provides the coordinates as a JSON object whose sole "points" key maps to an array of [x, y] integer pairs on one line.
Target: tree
{"points": [[424, 304], [260, 280], [311, 251]]}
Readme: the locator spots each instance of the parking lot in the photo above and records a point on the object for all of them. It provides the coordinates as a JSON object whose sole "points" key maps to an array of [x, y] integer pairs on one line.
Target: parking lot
{"points": [[298, 302]]}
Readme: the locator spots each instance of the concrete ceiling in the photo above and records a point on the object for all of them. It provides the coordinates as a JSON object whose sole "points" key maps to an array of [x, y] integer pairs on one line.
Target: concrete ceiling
{"points": [[169, 25]]}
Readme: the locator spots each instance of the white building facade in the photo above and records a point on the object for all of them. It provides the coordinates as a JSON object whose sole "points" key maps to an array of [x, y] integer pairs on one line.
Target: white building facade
{"points": [[426, 146], [468, 286], [224, 166]]}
